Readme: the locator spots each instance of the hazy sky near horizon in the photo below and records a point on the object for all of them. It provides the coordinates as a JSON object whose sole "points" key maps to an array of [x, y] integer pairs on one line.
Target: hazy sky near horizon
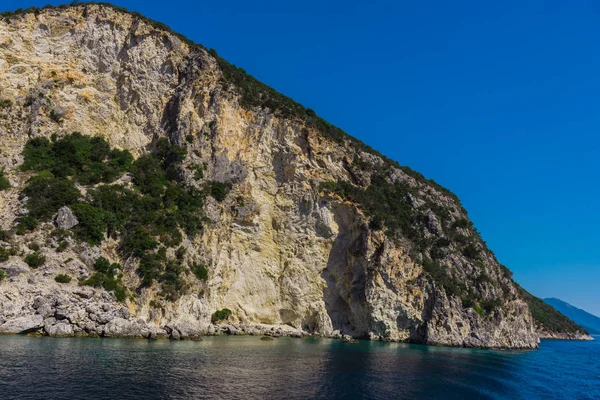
{"points": [[497, 101]]}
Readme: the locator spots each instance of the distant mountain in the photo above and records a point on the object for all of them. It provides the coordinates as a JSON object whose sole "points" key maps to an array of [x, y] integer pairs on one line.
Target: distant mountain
{"points": [[589, 321]]}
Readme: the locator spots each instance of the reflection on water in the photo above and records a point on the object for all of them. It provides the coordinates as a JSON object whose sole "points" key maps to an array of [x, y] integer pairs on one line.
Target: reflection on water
{"points": [[248, 368]]}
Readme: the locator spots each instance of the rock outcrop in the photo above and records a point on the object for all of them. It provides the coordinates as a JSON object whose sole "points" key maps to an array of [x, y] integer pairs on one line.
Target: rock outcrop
{"points": [[286, 252], [65, 218], [25, 324], [564, 335]]}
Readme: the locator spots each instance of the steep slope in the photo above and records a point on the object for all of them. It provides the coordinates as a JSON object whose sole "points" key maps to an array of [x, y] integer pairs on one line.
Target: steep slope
{"points": [[241, 205], [589, 321], [549, 322]]}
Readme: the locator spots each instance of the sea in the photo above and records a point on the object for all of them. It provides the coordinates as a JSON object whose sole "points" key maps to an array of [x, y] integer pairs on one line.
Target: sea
{"points": [[245, 367]]}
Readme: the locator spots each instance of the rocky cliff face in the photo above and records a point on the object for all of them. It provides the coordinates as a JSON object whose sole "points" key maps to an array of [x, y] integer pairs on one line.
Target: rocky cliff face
{"points": [[294, 244]]}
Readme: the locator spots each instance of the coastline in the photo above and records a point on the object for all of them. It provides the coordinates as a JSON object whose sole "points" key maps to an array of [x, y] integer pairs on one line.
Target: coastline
{"points": [[124, 329], [565, 336]]}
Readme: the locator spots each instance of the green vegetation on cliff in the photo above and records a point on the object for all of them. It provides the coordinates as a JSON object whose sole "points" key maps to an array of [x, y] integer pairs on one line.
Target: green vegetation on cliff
{"points": [[62, 278], [220, 315], [107, 276], [547, 316], [388, 206], [4, 183], [200, 271], [35, 260], [88, 160], [46, 193], [151, 216]]}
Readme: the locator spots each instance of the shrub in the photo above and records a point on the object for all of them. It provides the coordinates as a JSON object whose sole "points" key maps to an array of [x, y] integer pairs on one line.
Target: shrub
{"points": [[38, 155], [151, 266], [155, 304], [92, 223], [200, 271], [443, 242], [148, 175], [137, 240], [376, 223], [4, 183], [328, 186], [2, 275], [157, 267], [5, 235], [461, 223], [62, 278], [489, 305], [26, 224], [5, 253], [471, 251], [170, 156], [505, 271], [198, 171], [182, 206], [46, 194], [218, 190], [170, 279], [62, 246], [436, 253], [104, 266], [55, 117], [118, 202], [89, 160], [120, 293], [105, 277], [35, 259], [220, 315]]}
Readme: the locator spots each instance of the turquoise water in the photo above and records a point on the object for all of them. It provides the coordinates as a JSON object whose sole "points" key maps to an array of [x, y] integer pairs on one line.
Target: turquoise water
{"points": [[245, 367]]}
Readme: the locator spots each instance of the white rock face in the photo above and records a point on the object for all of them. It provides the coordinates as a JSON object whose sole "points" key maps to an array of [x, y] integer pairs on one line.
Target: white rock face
{"points": [[61, 329], [65, 218], [22, 324], [285, 258]]}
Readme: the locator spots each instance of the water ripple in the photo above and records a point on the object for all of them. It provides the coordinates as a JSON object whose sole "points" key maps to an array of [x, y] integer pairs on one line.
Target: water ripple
{"points": [[248, 368]]}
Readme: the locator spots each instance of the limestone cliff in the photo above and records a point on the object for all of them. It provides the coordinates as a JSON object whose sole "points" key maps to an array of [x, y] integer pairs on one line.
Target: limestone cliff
{"points": [[294, 244]]}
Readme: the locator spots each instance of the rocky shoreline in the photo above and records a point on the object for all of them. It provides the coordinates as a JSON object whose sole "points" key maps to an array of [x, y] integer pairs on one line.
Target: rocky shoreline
{"points": [[121, 328], [87, 312], [565, 336]]}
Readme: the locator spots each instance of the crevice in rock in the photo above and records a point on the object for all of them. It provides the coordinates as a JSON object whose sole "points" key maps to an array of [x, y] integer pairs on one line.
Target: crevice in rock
{"points": [[345, 276]]}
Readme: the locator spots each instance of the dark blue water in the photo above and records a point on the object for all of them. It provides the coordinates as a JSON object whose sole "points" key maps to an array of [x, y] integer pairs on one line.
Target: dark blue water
{"points": [[248, 368]]}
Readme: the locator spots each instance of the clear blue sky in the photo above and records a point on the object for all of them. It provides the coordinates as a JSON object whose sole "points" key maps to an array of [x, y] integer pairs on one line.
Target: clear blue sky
{"points": [[498, 101]]}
